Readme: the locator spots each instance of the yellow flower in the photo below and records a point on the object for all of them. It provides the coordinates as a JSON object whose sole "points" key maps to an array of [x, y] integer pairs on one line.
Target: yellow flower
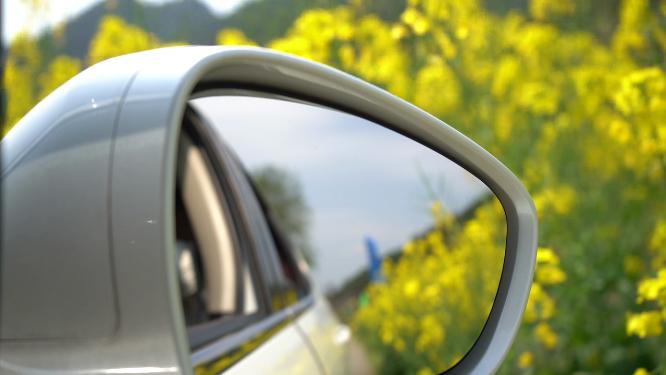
{"points": [[61, 70], [550, 275], [233, 37], [644, 324], [641, 371], [398, 32], [21, 66], [546, 335], [116, 37], [410, 15], [437, 89], [652, 288], [525, 360], [658, 238], [507, 71], [421, 26], [559, 200], [411, 288], [347, 56], [545, 9], [462, 33], [448, 48], [547, 256], [425, 371]]}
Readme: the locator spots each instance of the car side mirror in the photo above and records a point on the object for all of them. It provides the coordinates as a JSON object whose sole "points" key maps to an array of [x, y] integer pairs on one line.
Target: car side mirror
{"points": [[89, 265]]}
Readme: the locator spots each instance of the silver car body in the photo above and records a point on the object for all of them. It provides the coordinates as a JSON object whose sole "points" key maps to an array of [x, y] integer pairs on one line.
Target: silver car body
{"points": [[89, 281]]}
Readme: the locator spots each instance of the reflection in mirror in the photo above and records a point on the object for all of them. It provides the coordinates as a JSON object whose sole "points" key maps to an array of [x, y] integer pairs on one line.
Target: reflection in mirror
{"points": [[407, 246]]}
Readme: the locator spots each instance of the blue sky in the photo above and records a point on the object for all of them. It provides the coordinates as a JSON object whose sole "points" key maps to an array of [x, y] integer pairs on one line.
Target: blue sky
{"points": [[15, 15], [359, 178]]}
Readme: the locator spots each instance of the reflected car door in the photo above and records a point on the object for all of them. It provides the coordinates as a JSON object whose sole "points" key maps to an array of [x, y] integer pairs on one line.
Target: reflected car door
{"points": [[329, 337]]}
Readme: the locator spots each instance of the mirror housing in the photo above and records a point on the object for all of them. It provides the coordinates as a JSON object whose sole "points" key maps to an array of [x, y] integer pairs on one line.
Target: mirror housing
{"points": [[113, 131]]}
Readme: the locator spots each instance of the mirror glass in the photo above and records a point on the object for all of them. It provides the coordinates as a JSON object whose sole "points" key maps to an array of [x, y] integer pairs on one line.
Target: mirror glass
{"points": [[406, 246]]}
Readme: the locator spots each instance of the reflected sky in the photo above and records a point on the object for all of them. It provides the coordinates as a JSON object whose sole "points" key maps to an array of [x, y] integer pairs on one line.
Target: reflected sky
{"points": [[358, 178]]}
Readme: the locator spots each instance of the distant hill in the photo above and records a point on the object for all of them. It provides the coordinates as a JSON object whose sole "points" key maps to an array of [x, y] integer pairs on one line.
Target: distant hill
{"points": [[187, 20], [265, 20]]}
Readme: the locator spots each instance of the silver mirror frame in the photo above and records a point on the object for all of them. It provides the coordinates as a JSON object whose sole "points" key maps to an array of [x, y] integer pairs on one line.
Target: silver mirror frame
{"points": [[293, 77], [147, 123]]}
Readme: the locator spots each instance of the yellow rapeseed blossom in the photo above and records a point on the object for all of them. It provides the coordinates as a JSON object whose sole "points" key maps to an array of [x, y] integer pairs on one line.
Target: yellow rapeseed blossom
{"points": [[547, 256], [539, 306], [116, 37], [398, 31], [558, 200], [645, 324], [61, 70], [437, 89], [657, 244], [419, 24], [21, 67], [652, 289], [525, 360], [546, 335], [550, 275], [233, 37], [507, 71], [425, 371], [545, 9]]}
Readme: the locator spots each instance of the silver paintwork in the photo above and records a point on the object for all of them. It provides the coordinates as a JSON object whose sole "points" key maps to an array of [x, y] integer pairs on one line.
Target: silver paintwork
{"points": [[322, 329], [88, 205]]}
